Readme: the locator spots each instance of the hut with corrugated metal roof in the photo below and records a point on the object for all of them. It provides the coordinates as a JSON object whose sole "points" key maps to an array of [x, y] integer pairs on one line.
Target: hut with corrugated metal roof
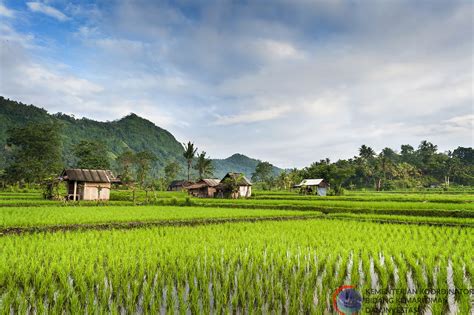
{"points": [[313, 186], [205, 188], [87, 184]]}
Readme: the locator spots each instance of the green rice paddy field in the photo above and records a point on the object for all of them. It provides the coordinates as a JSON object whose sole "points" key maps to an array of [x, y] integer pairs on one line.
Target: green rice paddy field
{"points": [[277, 252]]}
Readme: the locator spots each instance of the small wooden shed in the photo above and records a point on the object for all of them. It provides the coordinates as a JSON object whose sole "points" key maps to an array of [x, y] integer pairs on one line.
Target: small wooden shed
{"points": [[179, 185], [313, 185], [205, 188], [86, 184], [244, 186]]}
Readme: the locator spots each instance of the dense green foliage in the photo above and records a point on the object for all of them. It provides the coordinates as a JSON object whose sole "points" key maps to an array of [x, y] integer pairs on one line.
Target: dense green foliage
{"points": [[129, 133], [91, 155], [35, 152], [390, 170], [264, 174], [204, 166], [172, 170]]}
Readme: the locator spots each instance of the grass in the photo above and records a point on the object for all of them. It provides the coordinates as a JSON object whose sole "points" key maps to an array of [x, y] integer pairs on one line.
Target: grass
{"points": [[226, 268], [467, 222], [379, 197], [410, 205], [395, 208], [50, 216]]}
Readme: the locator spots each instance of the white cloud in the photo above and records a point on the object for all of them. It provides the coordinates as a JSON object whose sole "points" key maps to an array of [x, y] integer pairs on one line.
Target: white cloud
{"points": [[147, 109], [10, 36], [48, 10], [25, 79], [6, 12], [67, 84], [274, 49], [460, 123], [252, 116]]}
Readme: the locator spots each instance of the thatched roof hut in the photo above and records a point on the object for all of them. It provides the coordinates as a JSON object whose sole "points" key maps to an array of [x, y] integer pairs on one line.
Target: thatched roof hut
{"points": [[243, 186]]}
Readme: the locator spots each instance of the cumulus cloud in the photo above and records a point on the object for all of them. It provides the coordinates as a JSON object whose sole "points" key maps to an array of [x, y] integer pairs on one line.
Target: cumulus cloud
{"points": [[252, 116], [36, 82], [47, 10], [6, 12]]}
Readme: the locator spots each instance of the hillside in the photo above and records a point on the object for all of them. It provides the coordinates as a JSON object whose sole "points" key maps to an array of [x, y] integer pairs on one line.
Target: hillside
{"points": [[130, 132], [238, 162]]}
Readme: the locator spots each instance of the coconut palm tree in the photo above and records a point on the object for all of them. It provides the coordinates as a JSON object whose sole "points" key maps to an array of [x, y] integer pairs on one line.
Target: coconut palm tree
{"points": [[366, 152], [189, 153], [204, 166]]}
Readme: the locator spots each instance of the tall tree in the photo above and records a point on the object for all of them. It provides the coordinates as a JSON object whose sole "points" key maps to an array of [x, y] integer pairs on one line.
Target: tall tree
{"points": [[189, 153], [171, 171], [366, 152], [407, 153], [264, 174], [426, 150], [407, 175], [383, 167], [35, 152], [284, 180], [366, 163], [143, 162], [204, 166], [91, 155], [465, 155], [464, 170], [125, 162]]}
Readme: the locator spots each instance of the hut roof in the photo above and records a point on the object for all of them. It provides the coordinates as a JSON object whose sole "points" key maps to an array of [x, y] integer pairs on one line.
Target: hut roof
{"points": [[87, 175], [241, 179], [206, 182], [310, 182], [180, 183], [211, 181]]}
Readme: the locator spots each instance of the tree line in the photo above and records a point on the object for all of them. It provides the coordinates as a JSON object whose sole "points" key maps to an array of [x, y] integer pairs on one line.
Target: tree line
{"points": [[34, 154], [407, 168]]}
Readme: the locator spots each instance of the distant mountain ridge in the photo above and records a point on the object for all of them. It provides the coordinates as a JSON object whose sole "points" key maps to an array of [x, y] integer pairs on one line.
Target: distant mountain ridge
{"points": [[239, 162], [130, 132]]}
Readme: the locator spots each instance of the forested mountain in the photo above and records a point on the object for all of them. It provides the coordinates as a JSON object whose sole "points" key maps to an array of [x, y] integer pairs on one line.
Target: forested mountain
{"points": [[241, 162], [129, 133]]}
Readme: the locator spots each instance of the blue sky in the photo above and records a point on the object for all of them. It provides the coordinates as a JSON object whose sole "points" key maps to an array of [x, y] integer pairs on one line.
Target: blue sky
{"points": [[290, 82]]}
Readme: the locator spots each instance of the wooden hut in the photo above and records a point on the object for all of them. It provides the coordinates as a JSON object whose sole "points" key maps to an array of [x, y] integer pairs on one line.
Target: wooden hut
{"points": [[313, 186], [205, 188], [242, 186], [179, 185], [86, 184]]}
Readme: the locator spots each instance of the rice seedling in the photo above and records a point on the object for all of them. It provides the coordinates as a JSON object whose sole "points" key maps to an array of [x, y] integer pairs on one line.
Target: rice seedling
{"points": [[290, 266]]}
